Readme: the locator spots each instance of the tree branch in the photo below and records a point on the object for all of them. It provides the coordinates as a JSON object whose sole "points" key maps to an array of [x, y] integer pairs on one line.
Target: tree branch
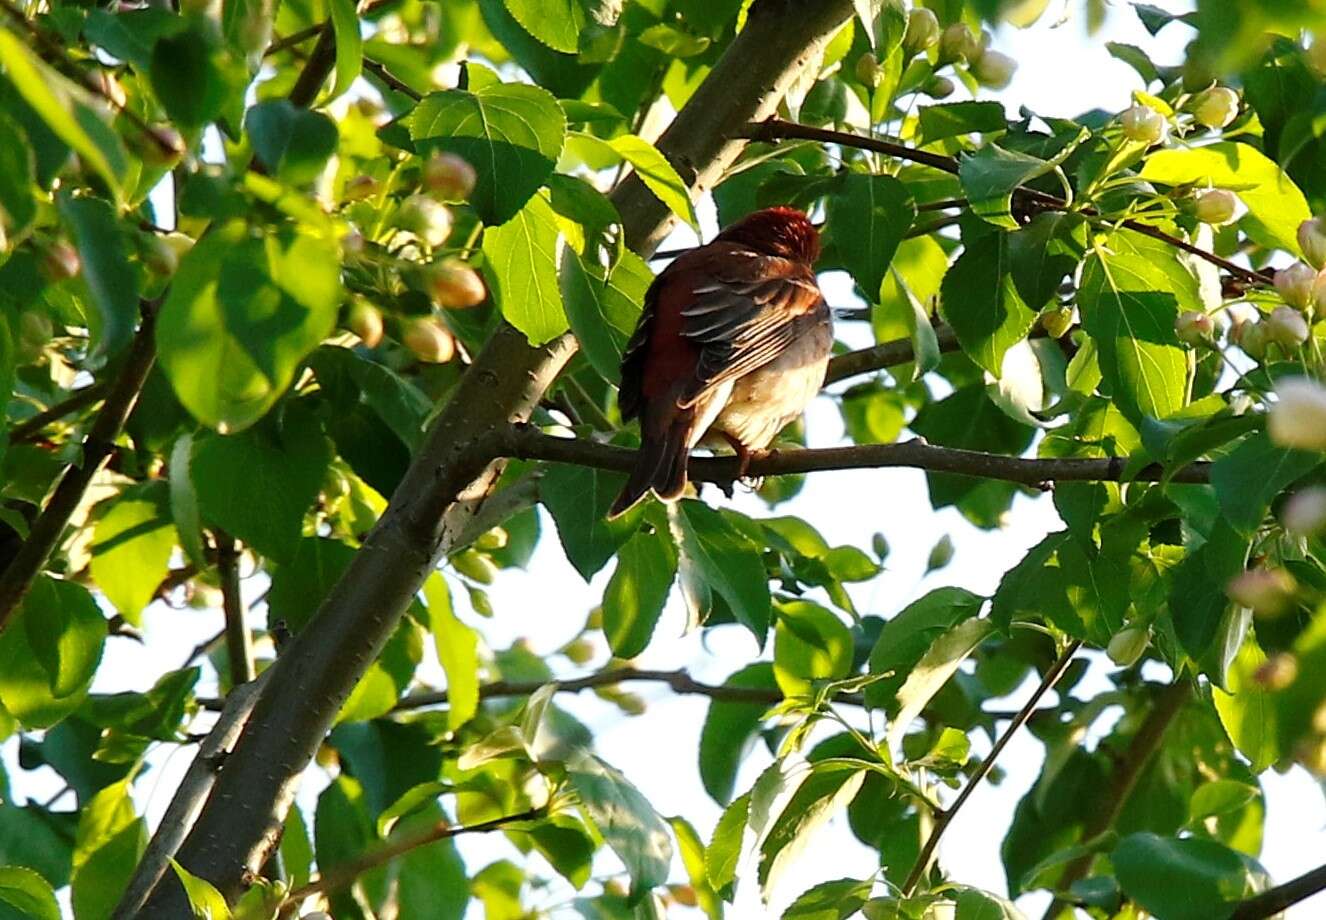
{"points": [[946, 817], [239, 642], [1126, 774], [885, 354], [96, 450], [344, 874], [29, 429], [455, 469], [1273, 900], [777, 129], [529, 443]]}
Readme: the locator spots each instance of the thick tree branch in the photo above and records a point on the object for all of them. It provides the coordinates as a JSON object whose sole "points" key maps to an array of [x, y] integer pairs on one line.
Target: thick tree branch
{"points": [[455, 470], [946, 816], [344, 875], [96, 450], [777, 129], [1124, 779], [529, 443], [1281, 897], [30, 429]]}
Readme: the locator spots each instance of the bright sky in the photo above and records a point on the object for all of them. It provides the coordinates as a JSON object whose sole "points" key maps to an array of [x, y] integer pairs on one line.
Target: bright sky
{"points": [[1061, 72]]}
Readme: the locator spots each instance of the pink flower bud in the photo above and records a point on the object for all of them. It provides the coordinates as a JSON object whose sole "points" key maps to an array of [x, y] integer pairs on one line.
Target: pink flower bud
{"points": [[1277, 672], [1215, 206], [449, 177], [922, 30], [1312, 240], [1194, 328], [1267, 592], [1298, 418], [1295, 284], [1216, 107], [1304, 514], [1251, 337], [426, 219], [1287, 328], [1143, 123]]}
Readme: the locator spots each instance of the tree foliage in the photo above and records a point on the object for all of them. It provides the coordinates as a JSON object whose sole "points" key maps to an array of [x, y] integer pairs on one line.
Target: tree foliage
{"points": [[316, 309]]}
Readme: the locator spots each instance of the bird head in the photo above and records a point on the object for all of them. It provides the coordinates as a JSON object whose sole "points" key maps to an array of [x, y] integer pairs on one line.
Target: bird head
{"points": [[782, 231]]}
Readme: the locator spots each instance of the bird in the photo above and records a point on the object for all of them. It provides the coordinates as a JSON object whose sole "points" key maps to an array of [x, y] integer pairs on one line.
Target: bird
{"points": [[731, 346]]}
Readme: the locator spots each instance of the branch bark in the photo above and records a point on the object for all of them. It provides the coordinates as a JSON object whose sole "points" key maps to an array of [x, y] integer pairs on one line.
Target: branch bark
{"points": [[239, 641], [97, 449], [29, 429], [947, 815], [1273, 900], [452, 475], [528, 443]]}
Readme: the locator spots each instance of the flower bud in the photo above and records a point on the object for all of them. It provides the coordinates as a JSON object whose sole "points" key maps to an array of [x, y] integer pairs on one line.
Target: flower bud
{"points": [[489, 540], [632, 704], [685, 894], [1311, 752], [426, 219], [429, 341], [60, 261], [1298, 418], [1216, 107], [359, 187], [1144, 124], [449, 177], [879, 545], [1287, 328], [922, 30], [1252, 338], [868, 71], [159, 257], [579, 651], [1127, 645], [365, 321], [156, 145], [993, 69], [956, 43], [1295, 284], [1267, 592], [1277, 672], [454, 285], [1304, 513], [938, 87], [1194, 328], [353, 244], [1312, 240], [1057, 322], [1215, 206]]}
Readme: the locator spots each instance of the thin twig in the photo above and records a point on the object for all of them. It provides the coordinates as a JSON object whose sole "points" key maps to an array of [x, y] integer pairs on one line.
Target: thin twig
{"points": [[340, 876], [294, 38], [885, 354], [1124, 779], [96, 450], [380, 71], [529, 443], [1281, 897], [948, 814], [29, 429], [777, 129], [239, 642]]}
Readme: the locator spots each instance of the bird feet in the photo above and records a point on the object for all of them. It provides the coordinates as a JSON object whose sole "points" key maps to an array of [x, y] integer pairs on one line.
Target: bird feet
{"points": [[745, 455]]}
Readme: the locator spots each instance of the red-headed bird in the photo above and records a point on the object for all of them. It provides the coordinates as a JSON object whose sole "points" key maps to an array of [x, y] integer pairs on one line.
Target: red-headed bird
{"points": [[731, 347]]}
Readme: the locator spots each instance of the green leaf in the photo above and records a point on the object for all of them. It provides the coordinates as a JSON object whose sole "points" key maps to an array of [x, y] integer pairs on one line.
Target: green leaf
{"points": [[1197, 599], [184, 501], [578, 499], [186, 78], [633, 600], [972, 904], [727, 562], [867, 218], [1247, 709], [457, 648], [729, 730], [28, 893], [556, 23], [286, 471], [241, 315], [952, 119], [387, 677], [64, 108], [603, 313], [206, 901], [990, 175], [299, 586], [1132, 290], [342, 830], [131, 548], [980, 300], [1183, 879], [413, 799], [934, 669], [293, 143], [430, 881], [1219, 797], [692, 859], [111, 280], [18, 168], [520, 260], [835, 900], [724, 850], [654, 171], [1255, 472], [817, 799], [49, 652], [810, 644], [101, 879], [349, 46], [511, 133], [626, 820], [1275, 205], [909, 633]]}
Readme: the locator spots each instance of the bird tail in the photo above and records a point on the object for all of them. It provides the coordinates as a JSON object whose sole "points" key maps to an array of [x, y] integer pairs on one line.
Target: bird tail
{"points": [[660, 465]]}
